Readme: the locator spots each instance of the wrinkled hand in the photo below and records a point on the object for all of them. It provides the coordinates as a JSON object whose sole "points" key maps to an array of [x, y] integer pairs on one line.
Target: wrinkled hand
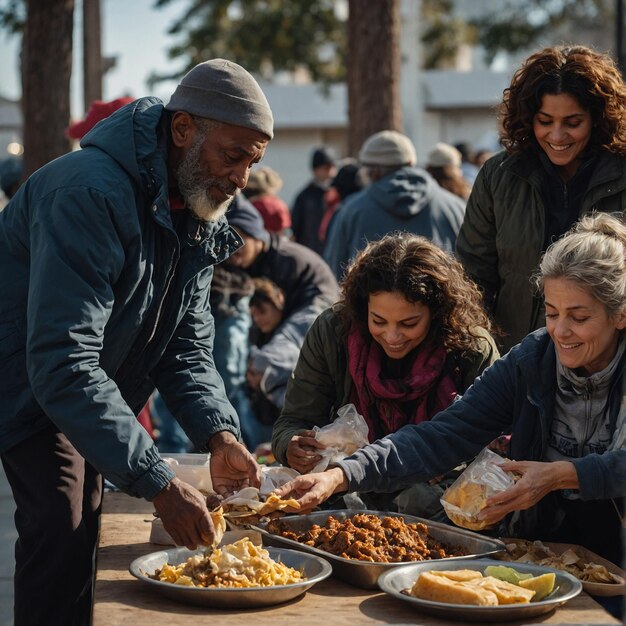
{"points": [[184, 514], [537, 480], [313, 489], [232, 465], [301, 451]]}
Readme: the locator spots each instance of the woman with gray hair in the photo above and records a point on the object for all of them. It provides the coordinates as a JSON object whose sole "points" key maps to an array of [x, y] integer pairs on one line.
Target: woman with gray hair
{"points": [[560, 392]]}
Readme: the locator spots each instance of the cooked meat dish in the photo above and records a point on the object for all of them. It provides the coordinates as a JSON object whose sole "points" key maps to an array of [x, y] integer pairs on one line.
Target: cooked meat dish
{"points": [[366, 537]]}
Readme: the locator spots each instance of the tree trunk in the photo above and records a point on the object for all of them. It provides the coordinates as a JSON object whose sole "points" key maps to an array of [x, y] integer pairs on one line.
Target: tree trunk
{"points": [[46, 72], [373, 69], [92, 53]]}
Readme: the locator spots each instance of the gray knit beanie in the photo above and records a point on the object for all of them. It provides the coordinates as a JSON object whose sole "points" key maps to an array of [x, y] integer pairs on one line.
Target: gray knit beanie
{"points": [[387, 148], [225, 92]]}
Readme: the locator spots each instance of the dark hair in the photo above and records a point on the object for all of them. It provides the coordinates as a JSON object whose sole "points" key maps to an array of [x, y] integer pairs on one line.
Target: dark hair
{"points": [[451, 178], [590, 77], [267, 291], [422, 272]]}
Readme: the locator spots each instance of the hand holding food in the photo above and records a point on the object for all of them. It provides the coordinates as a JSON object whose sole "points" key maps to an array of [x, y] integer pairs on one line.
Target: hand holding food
{"points": [[536, 480], [248, 507], [183, 511], [301, 451], [232, 466], [466, 498], [311, 490]]}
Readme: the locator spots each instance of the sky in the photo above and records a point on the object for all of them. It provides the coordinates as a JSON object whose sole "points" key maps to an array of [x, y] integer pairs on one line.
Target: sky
{"points": [[131, 30]]}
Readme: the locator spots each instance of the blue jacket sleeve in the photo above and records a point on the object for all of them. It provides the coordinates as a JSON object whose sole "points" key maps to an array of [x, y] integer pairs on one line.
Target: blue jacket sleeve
{"points": [[602, 476], [76, 257], [420, 452], [186, 375]]}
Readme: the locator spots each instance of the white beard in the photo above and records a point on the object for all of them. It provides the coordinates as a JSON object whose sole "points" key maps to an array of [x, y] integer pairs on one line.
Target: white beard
{"points": [[194, 186]]}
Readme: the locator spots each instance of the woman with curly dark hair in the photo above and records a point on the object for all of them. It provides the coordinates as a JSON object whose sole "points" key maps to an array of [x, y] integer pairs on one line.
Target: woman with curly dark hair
{"points": [[563, 127], [408, 335]]}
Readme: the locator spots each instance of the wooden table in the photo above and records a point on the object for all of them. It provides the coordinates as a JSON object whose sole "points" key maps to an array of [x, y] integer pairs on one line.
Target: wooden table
{"points": [[121, 599]]}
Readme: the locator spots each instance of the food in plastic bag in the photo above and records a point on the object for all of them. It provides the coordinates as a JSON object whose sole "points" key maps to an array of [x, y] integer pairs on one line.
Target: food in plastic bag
{"points": [[342, 437], [250, 504], [468, 494]]}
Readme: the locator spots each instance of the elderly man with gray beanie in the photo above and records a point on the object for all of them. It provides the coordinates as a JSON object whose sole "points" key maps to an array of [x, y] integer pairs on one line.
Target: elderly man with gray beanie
{"points": [[106, 260], [399, 197]]}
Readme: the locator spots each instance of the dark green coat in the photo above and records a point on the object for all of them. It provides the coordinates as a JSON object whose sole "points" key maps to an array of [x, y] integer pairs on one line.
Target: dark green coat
{"points": [[501, 240], [321, 382]]}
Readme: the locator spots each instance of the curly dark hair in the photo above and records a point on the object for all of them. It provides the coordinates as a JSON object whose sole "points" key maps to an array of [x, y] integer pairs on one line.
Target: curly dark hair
{"points": [[591, 77], [422, 272]]}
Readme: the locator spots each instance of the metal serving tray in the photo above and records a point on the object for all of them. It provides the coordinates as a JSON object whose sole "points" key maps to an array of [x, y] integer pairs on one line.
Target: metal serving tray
{"points": [[365, 574]]}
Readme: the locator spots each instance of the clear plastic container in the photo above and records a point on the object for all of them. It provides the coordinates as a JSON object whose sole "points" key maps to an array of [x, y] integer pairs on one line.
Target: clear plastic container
{"points": [[192, 468]]}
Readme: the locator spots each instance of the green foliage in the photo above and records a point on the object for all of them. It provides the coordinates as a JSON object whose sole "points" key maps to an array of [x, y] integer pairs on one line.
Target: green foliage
{"points": [[442, 33], [12, 15], [518, 24], [265, 36]]}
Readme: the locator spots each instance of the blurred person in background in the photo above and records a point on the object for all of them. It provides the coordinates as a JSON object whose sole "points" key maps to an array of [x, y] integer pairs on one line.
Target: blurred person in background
{"points": [[106, 259], [563, 123], [482, 156], [468, 167], [10, 176], [346, 182], [309, 206], [263, 185], [99, 110], [444, 165], [306, 281], [399, 197]]}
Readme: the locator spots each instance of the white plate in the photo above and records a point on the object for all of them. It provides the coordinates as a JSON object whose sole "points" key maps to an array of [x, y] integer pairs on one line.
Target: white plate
{"points": [[313, 567], [394, 582]]}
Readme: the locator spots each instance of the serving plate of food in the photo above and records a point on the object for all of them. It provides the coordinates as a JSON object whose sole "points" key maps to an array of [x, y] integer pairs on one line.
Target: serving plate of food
{"points": [[599, 577], [362, 544], [238, 576], [468, 590]]}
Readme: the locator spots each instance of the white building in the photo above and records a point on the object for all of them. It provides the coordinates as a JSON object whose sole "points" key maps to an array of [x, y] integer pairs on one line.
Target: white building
{"points": [[457, 107]]}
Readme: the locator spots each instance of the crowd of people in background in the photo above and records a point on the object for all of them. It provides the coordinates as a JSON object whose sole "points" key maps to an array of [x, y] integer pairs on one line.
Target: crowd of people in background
{"points": [[452, 302]]}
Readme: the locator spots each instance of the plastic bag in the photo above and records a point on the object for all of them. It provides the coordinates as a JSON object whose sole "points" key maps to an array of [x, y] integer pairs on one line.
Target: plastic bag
{"points": [[342, 437], [468, 494], [271, 479]]}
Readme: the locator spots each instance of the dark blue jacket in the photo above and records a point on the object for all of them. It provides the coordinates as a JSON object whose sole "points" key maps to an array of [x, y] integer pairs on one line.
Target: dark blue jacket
{"points": [[516, 394], [105, 294]]}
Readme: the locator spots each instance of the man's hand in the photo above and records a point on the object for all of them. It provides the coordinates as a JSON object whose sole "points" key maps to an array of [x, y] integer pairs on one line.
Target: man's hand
{"points": [[313, 489], [232, 466], [184, 514], [302, 451]]}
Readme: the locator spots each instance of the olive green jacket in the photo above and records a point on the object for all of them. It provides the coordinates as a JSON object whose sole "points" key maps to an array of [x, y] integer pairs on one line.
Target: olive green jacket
{"points": [[321, 382], [501, 239]]}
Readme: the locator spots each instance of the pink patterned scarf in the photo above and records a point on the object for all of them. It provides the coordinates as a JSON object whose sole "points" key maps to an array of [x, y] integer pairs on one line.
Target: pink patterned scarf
{"points": [[426, 386]]}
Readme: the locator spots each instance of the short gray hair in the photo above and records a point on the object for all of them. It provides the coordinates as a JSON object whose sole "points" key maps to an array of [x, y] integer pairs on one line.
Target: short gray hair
{"points": [[593, 254]]}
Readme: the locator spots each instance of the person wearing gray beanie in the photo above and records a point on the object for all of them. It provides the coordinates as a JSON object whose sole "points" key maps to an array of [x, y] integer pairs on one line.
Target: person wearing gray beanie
{"points": [[114, 287], [225, 92], [399, 197]]}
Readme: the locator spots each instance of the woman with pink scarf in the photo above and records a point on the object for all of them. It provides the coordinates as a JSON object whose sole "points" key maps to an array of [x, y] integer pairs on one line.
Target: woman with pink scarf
{"points": [[408, 335]]}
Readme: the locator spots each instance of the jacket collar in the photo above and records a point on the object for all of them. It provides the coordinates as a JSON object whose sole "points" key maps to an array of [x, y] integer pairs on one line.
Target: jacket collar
{"points": [[527, 165]]}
